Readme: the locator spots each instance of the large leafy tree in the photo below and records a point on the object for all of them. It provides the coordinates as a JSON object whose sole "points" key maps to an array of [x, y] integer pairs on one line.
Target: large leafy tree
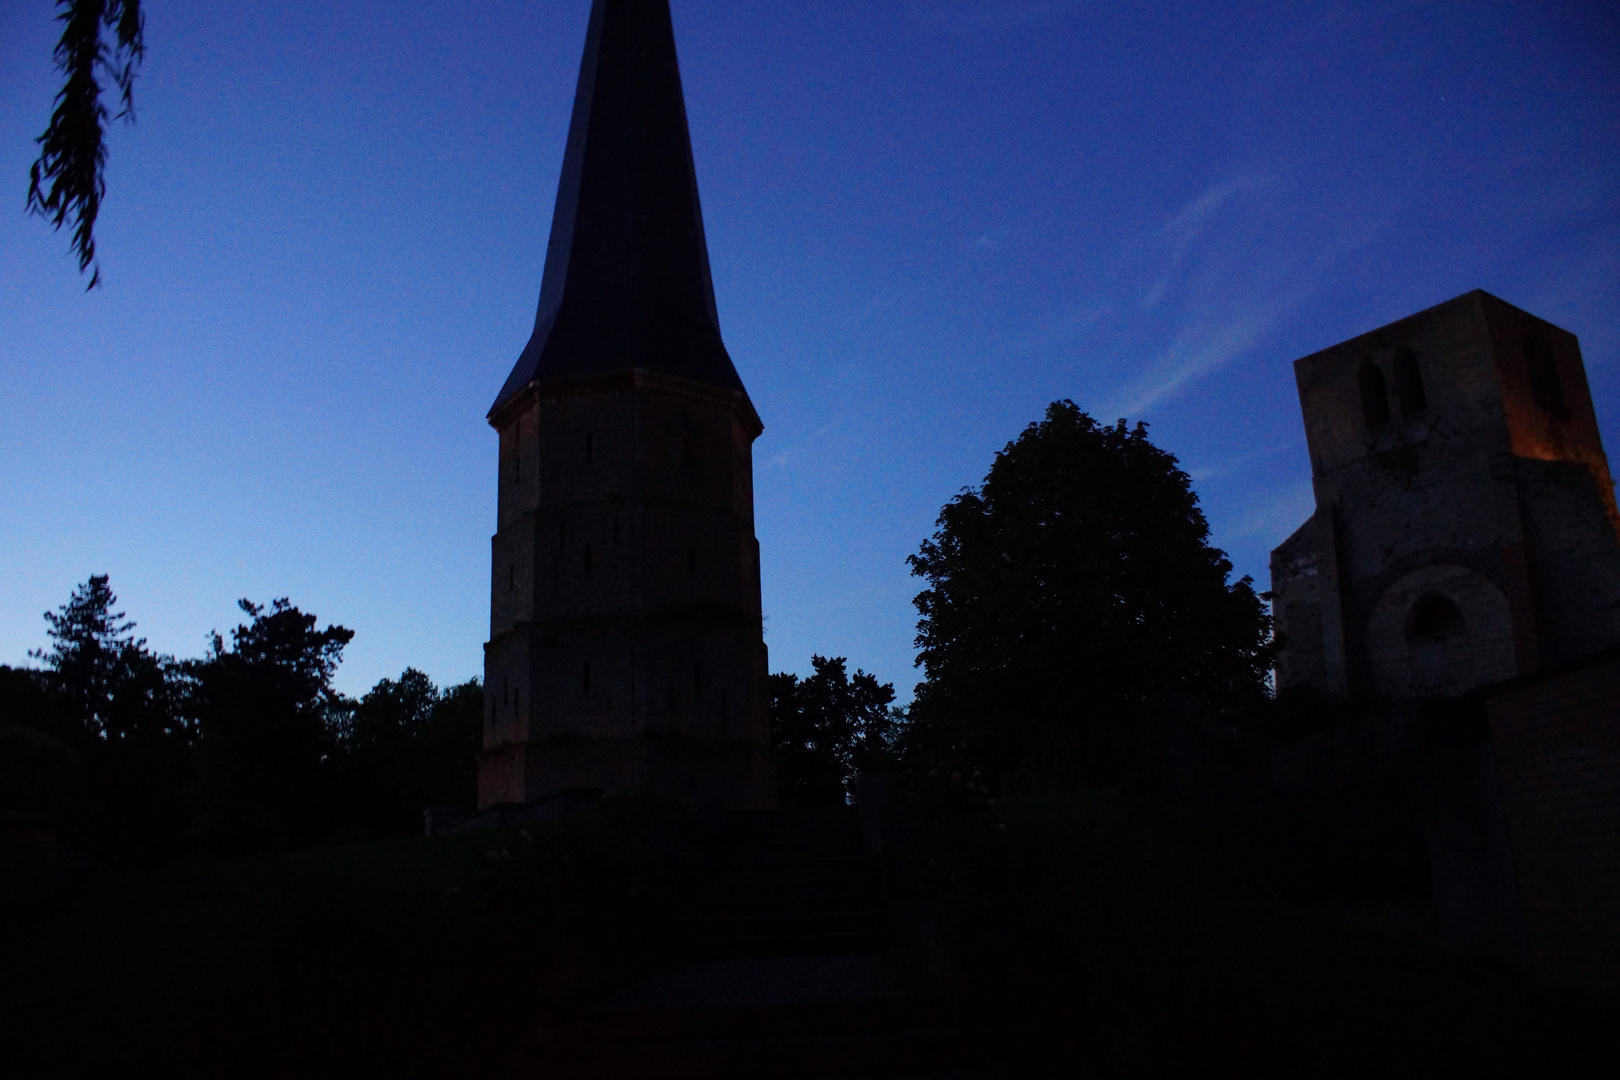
{"points": [[268, 723], [408, 745], [827, 728], [100, 38], [1073, 586]]}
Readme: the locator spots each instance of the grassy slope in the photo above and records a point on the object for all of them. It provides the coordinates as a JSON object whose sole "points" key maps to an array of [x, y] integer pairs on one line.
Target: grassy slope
{"points": [[1092, 941], [401, 958], [1153, 957]]}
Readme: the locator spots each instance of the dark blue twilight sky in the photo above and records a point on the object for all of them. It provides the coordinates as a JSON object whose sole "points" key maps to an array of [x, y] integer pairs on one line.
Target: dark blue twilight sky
{"points": [[927, 219]]}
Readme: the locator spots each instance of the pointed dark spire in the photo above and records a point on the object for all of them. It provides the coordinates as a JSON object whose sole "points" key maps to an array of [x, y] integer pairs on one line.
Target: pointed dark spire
{"points": [[627, 270]]}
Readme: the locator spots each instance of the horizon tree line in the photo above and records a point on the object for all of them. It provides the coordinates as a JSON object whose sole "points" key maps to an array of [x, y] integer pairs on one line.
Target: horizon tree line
{"points": [[1066, 594]]}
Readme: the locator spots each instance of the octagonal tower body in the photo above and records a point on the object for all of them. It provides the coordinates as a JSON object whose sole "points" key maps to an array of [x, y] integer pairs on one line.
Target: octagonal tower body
{"points": [[625, 649]]}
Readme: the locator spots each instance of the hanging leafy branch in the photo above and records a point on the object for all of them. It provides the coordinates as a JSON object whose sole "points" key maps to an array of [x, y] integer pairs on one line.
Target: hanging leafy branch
{"points": [[73, 152]]}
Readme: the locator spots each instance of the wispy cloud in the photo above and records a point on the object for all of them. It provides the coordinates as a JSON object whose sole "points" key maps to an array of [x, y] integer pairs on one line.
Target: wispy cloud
{"points": [[1229, 271], [1218, 470], [995, 240], [1276, 516], [788, 454], [990, 14], [1204, 345], [1183, 230]]}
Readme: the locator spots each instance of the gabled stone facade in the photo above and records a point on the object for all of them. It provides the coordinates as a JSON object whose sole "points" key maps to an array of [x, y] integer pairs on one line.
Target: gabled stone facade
{"points": [[626, 650], [1465, 529]]}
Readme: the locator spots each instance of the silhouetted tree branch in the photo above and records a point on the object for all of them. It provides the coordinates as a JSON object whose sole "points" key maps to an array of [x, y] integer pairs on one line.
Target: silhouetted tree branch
{"points": [[73, 152]]}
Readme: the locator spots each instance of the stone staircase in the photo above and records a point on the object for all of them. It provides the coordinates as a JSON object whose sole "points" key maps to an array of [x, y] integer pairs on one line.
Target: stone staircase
{"points": [[789, 977], [785, 883]]}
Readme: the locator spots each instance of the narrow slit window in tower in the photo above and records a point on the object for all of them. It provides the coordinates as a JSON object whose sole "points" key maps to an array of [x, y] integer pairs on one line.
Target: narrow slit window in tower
{"points": [[1409, 383], [1374, 398], [587, 558], [691, 559], [672, 701], [585, 678], [590, 448]]}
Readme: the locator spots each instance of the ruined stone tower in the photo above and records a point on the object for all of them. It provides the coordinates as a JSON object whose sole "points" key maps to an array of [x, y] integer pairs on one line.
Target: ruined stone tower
{"points": [[625, 647], [1465, 528]]}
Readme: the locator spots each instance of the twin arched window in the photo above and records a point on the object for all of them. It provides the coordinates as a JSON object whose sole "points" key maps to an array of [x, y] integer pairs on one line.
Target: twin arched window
{"points": [[1409, 382], [1374, 398], [1375, 392]]}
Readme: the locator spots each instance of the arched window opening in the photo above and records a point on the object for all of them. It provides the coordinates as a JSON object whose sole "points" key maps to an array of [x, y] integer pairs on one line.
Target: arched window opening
{"points": [[1409, 383], [1542, 369], [1434, 618], [585, 678], [1374, 397]]}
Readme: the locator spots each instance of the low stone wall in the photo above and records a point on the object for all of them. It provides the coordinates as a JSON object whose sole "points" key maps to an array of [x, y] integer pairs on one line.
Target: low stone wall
{"points": [[1557, 741]]}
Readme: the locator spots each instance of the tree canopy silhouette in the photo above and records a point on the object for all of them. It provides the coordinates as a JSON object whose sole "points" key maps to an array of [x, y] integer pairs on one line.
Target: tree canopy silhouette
{"points": [[828, 727], [408, 745], [265, 708], [1075, 584], [67, 181]]}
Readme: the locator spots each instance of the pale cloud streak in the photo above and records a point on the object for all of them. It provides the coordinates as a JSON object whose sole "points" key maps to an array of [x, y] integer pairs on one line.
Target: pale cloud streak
{"points": [[1232, 272], [992, 14], [1276, 517]]}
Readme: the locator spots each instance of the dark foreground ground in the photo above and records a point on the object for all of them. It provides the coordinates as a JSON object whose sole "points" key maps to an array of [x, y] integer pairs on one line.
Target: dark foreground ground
{"points": [[1076, 936]]}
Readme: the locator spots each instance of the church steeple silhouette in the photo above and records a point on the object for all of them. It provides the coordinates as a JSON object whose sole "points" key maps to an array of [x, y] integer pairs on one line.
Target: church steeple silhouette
{"points": [[626, 280], [625, 647]]}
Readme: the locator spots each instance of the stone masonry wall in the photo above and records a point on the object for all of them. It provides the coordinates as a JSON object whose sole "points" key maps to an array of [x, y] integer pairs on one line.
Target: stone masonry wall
{"points": [[1557, 740]]}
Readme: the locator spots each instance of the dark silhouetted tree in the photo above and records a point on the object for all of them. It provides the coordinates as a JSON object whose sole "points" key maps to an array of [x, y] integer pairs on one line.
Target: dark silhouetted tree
{"points": [[116, 704], [406, 746], [1074, 585], [67, 182], [827, 728], [269, 722], [89, 641]]}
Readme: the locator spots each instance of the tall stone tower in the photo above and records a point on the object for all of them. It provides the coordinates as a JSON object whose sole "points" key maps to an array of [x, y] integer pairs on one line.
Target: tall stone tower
{"points": [[625, 648], [1465, 528]]}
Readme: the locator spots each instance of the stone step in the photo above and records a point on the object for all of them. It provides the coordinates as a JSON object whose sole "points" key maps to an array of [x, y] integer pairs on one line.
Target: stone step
{"points": [[845, 1016], [796, 904], [723, 946], [663, 1023], [785, 881], [894, 1053]]}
